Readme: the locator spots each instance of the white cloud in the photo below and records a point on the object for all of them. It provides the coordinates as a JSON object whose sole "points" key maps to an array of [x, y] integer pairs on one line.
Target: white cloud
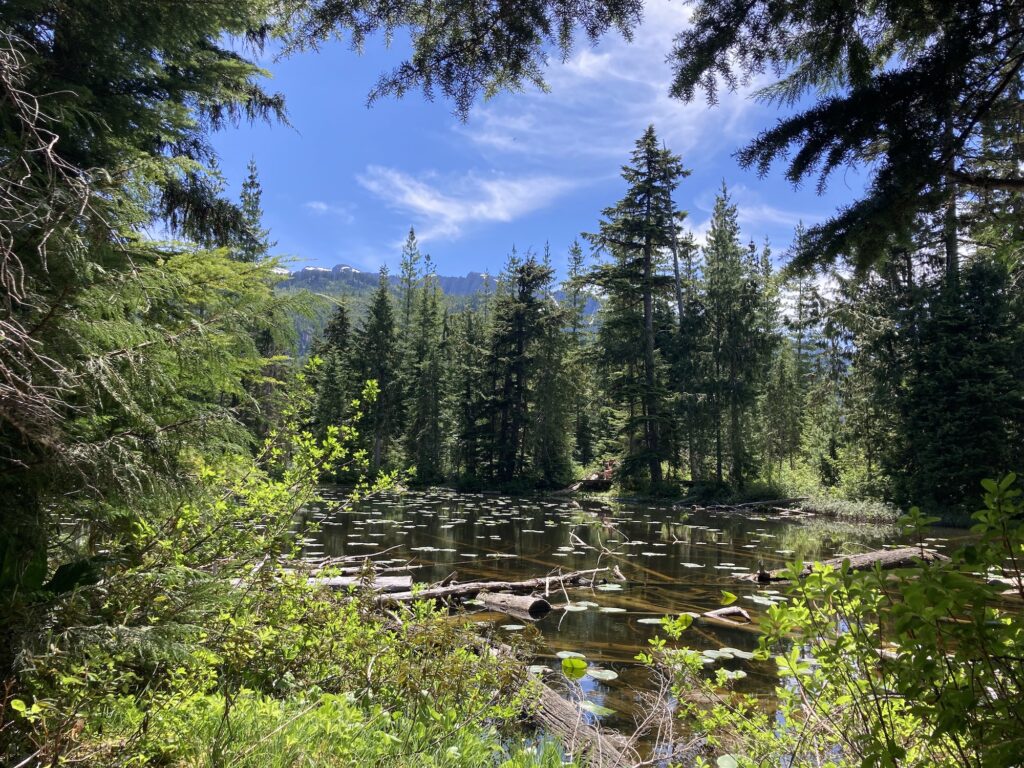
{"points": [[602, 97], [340, 211], [754, 215], [467, 200]]}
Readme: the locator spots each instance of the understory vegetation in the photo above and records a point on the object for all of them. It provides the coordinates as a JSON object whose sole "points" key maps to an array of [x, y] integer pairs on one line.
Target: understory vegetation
{"points": [[919, 669]]}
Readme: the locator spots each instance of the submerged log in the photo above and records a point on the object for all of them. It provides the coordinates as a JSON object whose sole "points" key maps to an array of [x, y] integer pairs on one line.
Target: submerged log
{"points": [[901, 557], [731, 613], [520, 606], [379, 583], [473, 588], [565, 720]]}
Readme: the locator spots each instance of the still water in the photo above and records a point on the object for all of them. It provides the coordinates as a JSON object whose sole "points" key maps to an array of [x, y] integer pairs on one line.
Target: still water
{"points": [[674, 559]]}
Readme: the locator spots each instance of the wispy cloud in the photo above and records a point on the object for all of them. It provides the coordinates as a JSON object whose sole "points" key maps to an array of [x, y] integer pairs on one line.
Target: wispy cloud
{"points": [[602, 98], [443, 208], [341, 211], [754, 215]]}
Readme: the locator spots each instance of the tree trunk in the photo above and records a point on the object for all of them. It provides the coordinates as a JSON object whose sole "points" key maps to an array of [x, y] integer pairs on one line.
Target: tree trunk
{"points": [[650, 400]]}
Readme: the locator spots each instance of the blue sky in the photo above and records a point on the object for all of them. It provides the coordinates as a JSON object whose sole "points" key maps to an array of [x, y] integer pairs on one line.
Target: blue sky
{"points": [[344, 183]]}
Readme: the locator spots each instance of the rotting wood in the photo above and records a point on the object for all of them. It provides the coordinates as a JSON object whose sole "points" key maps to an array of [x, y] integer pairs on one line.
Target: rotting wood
{"points": [[520, 606], [565, 720], [471, 589], [730, 613], [886, 559], [378, 584]]}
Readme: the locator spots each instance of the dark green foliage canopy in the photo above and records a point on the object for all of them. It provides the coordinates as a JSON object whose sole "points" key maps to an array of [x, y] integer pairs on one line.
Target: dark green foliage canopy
{"points": [[903, 87]]}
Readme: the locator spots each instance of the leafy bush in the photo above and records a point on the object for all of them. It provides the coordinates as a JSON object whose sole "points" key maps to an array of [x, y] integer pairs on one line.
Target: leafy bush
{"points": [[921, 667], [202, 642]]}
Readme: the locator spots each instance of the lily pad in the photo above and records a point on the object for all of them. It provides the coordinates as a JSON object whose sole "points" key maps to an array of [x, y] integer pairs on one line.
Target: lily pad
{"points": [[570, 655], [596, 709], [611, 609], [650, 620], [574, 668], [602, 674], [608, 587], [574, 607]]}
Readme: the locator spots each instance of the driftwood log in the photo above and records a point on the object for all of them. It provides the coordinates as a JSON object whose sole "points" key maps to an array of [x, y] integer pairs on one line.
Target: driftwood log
{"points": [[520, 606], [565, 720], [379, 583], [471, 589], [901, 557], [730, 616], [768, 503]]}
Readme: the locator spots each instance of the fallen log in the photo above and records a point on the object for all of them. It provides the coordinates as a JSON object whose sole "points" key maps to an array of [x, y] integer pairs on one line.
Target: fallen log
{"points": [[379, 583], [596, 746], [755, 504], [471, 589], [520, 606], [731, 613], [901, 557]]}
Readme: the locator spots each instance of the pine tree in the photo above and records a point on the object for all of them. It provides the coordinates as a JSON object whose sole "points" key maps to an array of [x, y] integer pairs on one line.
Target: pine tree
{"points": [[466, 407], [734, 300], [635, 232], [579, 356], [423, 435], [376, 359], [254, 244]]}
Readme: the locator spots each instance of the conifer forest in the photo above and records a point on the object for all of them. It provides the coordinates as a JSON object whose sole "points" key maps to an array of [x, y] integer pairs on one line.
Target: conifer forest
{"points": [[664, 492]]}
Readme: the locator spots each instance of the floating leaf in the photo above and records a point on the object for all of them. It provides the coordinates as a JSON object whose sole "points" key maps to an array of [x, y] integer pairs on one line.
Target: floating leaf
{"points": [[574, 668], [596, 709], [611, 609], [570, 655], [602, 674], [608, 587], [650, 620], [728, 598], [574, 607]]}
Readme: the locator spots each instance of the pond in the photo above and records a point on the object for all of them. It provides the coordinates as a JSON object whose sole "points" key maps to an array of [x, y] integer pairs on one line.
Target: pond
{"points": [[674, 559]]}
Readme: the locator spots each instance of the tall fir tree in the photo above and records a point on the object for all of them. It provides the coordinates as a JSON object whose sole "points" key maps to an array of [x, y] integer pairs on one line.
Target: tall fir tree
{"points": [[635, 232], [254, 243], [377, 359]]}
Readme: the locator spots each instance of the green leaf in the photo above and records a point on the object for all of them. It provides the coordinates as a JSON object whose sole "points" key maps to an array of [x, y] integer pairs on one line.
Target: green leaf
{"points": [[727, 761], [18, 705], [596, 709], [574, 668], [728, 598]]}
